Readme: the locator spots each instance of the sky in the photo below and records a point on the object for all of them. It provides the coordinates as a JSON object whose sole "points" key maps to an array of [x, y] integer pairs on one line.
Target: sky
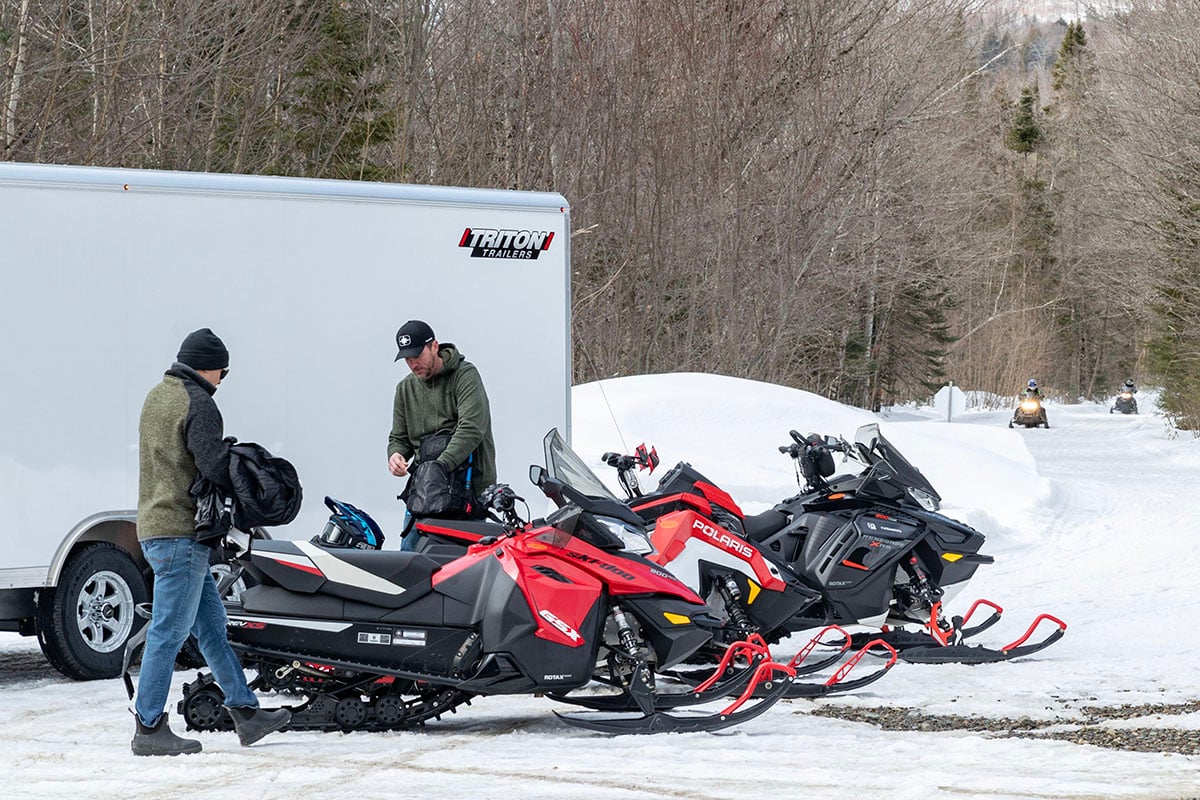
{"points": [[1089, 520]]}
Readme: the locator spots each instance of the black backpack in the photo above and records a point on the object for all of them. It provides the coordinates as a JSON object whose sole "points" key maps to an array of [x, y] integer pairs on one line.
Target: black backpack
{"points": [[434, 491]]}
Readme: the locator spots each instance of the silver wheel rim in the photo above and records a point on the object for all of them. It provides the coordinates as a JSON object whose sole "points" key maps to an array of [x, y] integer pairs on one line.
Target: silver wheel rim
{"points": [[234, 591], [104, 611]]}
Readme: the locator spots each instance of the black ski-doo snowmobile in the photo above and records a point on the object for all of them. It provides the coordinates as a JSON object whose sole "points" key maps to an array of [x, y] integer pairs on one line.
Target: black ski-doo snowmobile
{"points": [[1030, 413], [377, 640], [872, 544]]}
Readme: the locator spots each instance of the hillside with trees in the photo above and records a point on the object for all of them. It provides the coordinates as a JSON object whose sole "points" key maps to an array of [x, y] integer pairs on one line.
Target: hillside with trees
{"points": [[857, 198]]}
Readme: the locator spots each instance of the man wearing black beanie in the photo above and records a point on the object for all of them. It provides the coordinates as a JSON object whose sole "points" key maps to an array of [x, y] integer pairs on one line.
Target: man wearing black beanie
{"points": [[181, 434]]}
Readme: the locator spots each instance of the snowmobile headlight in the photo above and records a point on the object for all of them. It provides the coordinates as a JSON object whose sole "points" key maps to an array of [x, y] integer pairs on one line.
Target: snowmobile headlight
{"points": [[1029, 405], [924, 499], [632, 539]]}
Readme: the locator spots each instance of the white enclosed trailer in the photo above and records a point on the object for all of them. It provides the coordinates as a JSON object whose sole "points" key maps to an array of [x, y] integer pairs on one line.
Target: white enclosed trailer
{"points": [[104, 271]]}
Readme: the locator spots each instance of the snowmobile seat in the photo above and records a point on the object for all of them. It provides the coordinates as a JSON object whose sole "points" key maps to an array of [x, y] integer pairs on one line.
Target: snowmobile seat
{"points": [[386, 578], [761, 526]]}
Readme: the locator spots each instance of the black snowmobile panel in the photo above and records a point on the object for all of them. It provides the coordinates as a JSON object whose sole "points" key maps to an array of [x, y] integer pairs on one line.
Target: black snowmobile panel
{"points": [[854, 564], [666, 625], [682, 477], [391, 579], [427, 609], [412, 651], [774, 609], [479, 528]]}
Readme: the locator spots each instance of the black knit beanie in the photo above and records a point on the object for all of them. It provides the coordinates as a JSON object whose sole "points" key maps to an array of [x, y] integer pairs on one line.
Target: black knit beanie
{"points": [[202, 349]]}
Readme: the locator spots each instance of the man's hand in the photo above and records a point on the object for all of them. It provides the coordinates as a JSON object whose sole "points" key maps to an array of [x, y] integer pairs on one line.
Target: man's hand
{"points": [[398, 465]]}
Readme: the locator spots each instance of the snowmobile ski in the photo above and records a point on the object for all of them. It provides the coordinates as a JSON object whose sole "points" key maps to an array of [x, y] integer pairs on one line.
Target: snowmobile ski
{"points": [[943, 643], [658, 721], [725, 680]]}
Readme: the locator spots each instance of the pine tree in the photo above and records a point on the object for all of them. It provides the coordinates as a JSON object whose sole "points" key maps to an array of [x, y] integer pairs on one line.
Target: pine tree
{"points": [[337, 110], [1072, 54], [1025, 135]]}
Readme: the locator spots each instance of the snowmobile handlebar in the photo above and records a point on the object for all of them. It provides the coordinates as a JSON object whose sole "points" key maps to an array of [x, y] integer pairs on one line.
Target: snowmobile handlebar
{"points": [[502, 500]]}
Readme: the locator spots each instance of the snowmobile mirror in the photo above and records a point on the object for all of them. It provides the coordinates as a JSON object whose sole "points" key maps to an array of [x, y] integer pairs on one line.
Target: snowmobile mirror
{"points": [[537, 475]]}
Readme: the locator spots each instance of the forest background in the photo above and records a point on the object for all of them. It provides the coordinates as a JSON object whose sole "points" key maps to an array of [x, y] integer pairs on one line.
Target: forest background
{"points": [[860, 198]]}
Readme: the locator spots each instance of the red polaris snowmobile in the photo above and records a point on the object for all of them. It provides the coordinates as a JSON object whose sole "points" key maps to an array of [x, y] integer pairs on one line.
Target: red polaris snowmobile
{"points": [[380, 640], [755, 599], [873, 545]]}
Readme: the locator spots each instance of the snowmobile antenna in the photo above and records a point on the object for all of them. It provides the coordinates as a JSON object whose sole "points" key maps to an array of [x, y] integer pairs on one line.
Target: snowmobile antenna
{"points": [[608, 405]]}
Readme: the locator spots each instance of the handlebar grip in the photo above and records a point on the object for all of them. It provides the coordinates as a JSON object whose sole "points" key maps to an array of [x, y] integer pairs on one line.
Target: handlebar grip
{"points": [[784, 448]]}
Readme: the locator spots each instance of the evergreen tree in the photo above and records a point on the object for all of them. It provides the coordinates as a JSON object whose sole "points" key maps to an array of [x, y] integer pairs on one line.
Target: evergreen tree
{"points": [[1025, 135], [1072, 54], [337, 110]]}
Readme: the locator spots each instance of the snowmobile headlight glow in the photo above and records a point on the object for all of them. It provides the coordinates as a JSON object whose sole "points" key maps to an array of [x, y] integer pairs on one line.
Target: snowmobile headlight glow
{"points": [[924, 499], [1029, 405], [632, 539]]}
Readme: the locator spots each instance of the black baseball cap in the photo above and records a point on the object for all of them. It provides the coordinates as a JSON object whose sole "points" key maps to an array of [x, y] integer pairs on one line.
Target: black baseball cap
{"points": [[412, 338]]}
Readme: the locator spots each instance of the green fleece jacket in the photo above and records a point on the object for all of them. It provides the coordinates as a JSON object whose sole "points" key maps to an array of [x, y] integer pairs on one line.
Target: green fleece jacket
{"points": [[452, 400], [181, 433]]}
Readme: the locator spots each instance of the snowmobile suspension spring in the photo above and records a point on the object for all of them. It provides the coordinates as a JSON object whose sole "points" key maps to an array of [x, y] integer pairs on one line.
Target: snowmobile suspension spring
{"points": [[926, 592], [625, 631], [732, 595]]}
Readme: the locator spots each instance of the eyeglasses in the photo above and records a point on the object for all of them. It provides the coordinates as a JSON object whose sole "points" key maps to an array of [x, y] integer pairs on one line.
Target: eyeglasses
{"points": [[224, 373]]}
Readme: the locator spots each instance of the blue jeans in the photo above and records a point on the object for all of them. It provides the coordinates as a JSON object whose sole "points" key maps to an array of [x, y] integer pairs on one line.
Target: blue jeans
{"points": [[411, 539], [185, 601]]}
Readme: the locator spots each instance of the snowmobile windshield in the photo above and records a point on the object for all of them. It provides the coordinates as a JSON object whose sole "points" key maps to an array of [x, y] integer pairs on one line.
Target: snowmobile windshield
{"points": [[592, 512], [565, 465], [889, 465]]}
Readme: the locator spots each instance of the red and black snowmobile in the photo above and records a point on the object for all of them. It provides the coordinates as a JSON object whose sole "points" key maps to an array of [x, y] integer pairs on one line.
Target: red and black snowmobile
{"points": [[872, 544], [754, 598], [379, 640]]}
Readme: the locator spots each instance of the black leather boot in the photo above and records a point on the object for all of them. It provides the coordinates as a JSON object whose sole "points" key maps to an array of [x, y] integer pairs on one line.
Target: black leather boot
{"points": [[159, 740], [253, 724]]}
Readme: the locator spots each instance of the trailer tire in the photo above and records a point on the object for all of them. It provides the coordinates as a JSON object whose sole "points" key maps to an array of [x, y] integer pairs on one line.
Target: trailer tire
{"points": [[84, 622]]}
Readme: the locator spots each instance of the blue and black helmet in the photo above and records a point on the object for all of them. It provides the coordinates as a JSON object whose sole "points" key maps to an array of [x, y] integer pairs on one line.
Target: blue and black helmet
{"points": [[349, 527]]}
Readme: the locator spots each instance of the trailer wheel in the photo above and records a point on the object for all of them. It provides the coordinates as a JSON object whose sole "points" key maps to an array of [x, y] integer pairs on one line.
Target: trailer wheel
{"points": [[84, 622]]}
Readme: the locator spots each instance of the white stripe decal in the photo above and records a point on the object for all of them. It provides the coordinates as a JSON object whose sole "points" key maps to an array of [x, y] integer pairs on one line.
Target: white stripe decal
{"points": [[339, 571], [309, 624]]}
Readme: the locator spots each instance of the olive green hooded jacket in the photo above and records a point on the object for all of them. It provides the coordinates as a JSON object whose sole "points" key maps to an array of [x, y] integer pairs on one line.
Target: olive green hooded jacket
{"points": [[452, 400]]}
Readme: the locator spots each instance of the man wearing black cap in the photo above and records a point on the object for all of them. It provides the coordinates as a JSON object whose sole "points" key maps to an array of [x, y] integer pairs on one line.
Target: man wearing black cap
{"points": [[181, 434], [443, 393]]}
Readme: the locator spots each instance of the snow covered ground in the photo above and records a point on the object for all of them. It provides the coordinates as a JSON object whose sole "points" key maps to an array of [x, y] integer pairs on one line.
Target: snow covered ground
{"points": [[1093, 520]]}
